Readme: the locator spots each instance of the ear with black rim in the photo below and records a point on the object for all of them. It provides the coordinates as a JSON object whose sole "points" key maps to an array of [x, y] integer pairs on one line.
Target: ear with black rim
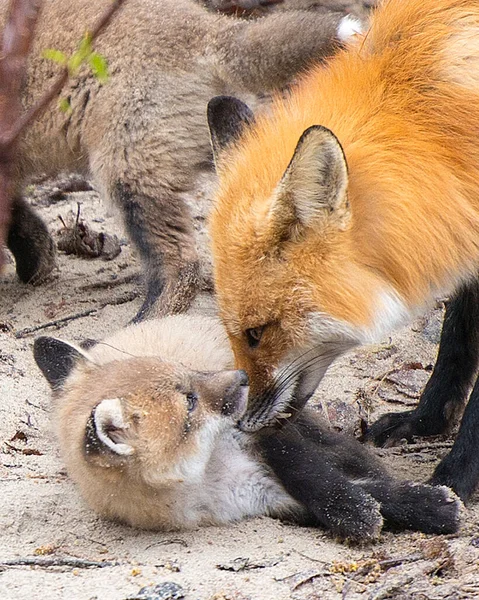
{"points": [[106, 433], [313, 190], [56, 359], [227, 118]]}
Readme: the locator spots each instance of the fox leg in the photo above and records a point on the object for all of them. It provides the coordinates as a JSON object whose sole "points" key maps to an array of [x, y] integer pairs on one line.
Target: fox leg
{"points": [[333, 502], [460, 468], [407, 505], [446, 391], [162, 231], [146, 149], [403, 504], [30, 243]]}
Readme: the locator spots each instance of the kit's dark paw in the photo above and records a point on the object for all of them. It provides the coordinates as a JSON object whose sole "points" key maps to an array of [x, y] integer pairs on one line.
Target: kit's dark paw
{"points": [[359, 523], [431, 509]]}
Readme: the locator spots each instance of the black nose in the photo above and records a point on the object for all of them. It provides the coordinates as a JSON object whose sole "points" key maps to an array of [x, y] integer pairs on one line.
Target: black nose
{"points": [[243, 378]]}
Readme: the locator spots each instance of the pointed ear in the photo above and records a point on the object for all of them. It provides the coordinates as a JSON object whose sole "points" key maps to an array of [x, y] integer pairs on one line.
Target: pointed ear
{"points": [[56, 359], [227, 117], [106, 432], [313, 189]]}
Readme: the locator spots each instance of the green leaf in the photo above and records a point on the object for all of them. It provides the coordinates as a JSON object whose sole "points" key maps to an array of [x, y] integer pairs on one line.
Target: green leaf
{"points": [[82, 54], [84, 48], [65, 105], [98, 66], [55, 56]]}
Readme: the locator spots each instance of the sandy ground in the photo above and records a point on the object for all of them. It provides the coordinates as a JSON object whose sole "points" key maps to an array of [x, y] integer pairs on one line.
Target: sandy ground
{"points": [[43, 517]]}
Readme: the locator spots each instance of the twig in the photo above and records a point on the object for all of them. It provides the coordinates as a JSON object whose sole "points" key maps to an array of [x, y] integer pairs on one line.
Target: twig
{"points": [[310, 578], [167, 542], [33, 112], [410, 448], [17, 41], [318, 560], [61, 561], [128, 297], [101, 285]]}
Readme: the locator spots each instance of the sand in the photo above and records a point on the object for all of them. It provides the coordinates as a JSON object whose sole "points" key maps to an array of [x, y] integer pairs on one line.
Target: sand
{"points": [[43, 517]]}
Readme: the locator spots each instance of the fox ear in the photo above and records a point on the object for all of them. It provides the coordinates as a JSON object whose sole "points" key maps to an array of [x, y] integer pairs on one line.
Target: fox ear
{"points": [[56, 359], [227, 117], [106, 432], [313, 189]]}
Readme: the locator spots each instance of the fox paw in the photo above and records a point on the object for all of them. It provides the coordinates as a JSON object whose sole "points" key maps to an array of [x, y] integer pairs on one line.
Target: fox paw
{"points": [[391, 428], [426, 508], [452, 474], [359, 523]]}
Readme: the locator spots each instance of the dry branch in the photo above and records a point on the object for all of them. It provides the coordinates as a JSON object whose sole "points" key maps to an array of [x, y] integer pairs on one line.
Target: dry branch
{"points": [[66, 561], [18, 36]]}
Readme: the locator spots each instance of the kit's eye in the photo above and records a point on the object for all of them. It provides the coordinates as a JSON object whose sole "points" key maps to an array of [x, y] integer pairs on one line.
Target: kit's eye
{"points": [[191, 401], [253, 336]]}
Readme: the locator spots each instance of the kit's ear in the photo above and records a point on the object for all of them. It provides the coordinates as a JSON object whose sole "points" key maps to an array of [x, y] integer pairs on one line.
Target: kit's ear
{"points": [[227, 118], [56, 359], [106, 433]]}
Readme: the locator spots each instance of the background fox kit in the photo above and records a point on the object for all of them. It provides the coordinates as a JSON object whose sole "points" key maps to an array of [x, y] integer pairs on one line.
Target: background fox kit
{"points": [[366, 210], [358, 8], [148, 431], [143, 136]]}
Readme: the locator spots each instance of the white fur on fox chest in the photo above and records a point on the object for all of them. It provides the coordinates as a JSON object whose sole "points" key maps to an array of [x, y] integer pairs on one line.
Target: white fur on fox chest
{"points": [[234, 486]]}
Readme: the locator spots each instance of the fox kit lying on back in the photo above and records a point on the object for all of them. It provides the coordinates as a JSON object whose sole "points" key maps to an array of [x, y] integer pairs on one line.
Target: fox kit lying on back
{"points": [[366, 209], [148, 431], [143, 136]]}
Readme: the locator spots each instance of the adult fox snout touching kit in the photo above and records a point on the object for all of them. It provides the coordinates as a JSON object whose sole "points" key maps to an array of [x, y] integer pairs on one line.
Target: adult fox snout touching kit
{"points": [[363, 209], [142, 136], [147, 425]]}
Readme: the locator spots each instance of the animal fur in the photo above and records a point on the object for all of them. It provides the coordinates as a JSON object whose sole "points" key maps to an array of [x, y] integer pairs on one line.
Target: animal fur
{"points": [[366, 210], [148, 432], [143, 136]]}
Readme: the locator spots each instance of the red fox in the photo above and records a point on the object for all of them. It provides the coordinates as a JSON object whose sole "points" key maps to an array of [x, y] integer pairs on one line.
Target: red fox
{"points": [[149, 433], [352, 206]]}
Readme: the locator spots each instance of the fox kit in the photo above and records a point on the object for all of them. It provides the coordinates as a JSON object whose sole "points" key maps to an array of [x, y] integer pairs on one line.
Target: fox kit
{"points": [[357, 8], [364, 211], [143, 136], [148, 431]]}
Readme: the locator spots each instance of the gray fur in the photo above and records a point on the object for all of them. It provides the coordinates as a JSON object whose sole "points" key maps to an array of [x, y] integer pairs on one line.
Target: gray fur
{"points": [[143, 136]]}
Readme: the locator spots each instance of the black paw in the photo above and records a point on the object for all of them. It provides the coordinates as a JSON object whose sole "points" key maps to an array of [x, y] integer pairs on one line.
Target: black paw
{"points": [[391, 428], [457, 475], [426, 508], [31, 244], [359, 522]]}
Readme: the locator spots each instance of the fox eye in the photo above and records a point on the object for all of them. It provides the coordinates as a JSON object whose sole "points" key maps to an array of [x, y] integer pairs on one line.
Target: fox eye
{"points": [[253, 336], [191, 401]]}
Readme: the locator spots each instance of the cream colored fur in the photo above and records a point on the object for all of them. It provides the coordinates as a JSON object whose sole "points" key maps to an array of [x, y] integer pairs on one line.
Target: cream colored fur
{"points": [[150, 471]]}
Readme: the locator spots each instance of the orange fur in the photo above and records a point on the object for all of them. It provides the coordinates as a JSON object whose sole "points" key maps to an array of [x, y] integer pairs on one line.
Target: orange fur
{"points": [[403, 104]]}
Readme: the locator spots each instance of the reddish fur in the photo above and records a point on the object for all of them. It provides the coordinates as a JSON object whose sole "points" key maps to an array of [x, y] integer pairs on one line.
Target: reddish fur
{"points": [[410, 136]]}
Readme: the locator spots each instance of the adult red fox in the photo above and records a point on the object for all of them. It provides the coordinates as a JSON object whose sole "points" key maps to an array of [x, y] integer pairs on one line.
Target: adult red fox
{"points": [[352, 206]]}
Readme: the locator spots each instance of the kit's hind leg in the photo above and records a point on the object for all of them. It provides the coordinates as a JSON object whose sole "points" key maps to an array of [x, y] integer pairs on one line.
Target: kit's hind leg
{"points": [[404, 504], [333, 502], [407, 505]]}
